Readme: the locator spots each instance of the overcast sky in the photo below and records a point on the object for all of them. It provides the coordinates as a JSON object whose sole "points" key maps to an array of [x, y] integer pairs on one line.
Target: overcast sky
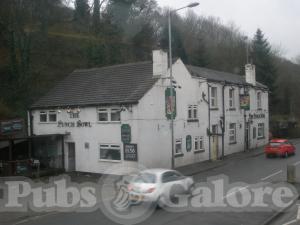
{"points": [[278, 19]]}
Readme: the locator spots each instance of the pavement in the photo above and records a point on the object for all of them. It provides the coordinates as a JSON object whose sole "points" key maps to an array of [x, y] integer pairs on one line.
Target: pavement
{"points": [[249, 167]]}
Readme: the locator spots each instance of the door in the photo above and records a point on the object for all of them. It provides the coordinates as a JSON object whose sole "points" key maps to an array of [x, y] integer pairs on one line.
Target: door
{"points": [[215, 144], [71, 157]]}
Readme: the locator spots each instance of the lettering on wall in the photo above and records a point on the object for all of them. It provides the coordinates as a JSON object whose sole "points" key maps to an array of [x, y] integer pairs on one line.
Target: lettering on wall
{"points": [[79, 124]]}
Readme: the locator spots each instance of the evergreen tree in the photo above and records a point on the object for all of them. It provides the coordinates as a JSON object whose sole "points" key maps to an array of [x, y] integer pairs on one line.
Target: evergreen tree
{"points": [[263, 60], [143, 43], [96, 16], [178, 49], [81, 12], [198, 56]]}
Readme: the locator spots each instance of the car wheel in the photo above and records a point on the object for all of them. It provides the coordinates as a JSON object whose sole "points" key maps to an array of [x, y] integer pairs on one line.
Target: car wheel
{"points": [[268, 156]]}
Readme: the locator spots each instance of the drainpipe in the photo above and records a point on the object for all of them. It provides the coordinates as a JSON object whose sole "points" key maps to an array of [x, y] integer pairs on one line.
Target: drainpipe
{"points": [[223, 128], [209, 138]]}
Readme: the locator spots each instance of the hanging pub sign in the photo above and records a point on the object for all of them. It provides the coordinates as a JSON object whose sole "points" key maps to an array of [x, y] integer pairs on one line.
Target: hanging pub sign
{"points": [[126, 133], [188, 140], [245, 102], [130, 152], [9, 127], [170, 103]]}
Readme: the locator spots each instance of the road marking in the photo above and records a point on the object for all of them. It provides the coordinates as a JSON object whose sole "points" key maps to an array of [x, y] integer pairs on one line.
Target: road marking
{"points": [[297, 163], [291, 222], [298, 214], [296, 220], [272, 175], [234, 192]]}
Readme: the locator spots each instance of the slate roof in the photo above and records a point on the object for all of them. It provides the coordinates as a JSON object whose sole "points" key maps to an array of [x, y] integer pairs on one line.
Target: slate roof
{"points": [[119, 84], [219, 76]]}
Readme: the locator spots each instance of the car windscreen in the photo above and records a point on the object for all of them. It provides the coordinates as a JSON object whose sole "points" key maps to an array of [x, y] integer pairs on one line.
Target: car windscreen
{"points": [[147, 178], [275, 144]]}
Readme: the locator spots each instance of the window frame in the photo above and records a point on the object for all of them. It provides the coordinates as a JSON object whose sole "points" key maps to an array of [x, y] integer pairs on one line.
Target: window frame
{"points": [[193, 112], [45, 114], [112, 147], [231, 98], [260, 128], [232, 134], [198, 140], [259, 100], [108, 112], [177, 141], [50, 113], [214, 98]]}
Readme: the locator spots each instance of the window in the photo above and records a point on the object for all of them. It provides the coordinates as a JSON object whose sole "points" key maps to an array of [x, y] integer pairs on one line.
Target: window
{"points": [[102, 115], [43, 117], [198, 143], [110, 152], [261, 130], [213, 97], [231, 98], [259, 100], [115, 115], [107, 115], [254, 132], [192, 112], [171, 176], [232, 133], [178, 146], [146, 178], [52, 116]]}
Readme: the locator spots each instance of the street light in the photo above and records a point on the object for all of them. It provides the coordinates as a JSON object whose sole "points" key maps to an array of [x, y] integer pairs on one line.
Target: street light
{"points": [[191, 5]]}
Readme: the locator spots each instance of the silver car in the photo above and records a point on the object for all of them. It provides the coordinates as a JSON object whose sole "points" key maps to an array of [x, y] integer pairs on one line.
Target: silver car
{"points": [[158, 185]]}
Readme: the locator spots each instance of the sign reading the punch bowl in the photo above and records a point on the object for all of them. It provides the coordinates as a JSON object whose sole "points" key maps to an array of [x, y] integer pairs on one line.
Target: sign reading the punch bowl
{"points": [[130, 152], [170, 103], [245, 102], [126, 133]]}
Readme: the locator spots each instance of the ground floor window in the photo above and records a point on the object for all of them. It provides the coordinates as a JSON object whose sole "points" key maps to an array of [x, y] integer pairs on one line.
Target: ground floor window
{"points": [[178, 146], [198, 143], [232, 133], [261, 130], [254, 132], [110, 152]]}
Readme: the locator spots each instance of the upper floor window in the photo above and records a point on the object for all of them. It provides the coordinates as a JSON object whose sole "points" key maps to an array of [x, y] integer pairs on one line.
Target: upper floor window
{"points": [[48, 116], [259, 105], [52, 116], [109, 115], [213, 97], [231, 98], [43, 116], [192, 112]]}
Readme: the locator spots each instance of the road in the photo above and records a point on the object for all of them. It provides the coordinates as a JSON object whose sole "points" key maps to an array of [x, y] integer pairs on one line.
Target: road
{"points": [[251, 170]]}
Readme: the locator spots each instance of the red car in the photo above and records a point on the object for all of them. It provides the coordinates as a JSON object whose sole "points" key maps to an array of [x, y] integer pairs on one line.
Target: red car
{"points": [[280, 147]]}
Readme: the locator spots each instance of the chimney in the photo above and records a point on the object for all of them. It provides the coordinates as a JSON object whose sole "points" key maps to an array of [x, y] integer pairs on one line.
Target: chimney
{"points": [[250, 74], [160, 63]]}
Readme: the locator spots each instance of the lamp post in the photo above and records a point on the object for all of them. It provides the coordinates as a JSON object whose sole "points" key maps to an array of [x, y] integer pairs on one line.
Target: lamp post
{"points": [[172, 104]]}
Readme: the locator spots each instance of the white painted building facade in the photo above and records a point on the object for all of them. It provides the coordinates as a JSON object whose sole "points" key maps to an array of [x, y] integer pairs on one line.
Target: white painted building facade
{"points": [[93, 141]]}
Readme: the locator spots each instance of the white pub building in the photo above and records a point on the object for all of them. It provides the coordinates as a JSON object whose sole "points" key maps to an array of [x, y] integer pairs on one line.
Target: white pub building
{"points": [[119, 115]]}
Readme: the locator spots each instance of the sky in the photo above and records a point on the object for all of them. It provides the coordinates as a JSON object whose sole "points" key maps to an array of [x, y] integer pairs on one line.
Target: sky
{"points": [[278, 19]]}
